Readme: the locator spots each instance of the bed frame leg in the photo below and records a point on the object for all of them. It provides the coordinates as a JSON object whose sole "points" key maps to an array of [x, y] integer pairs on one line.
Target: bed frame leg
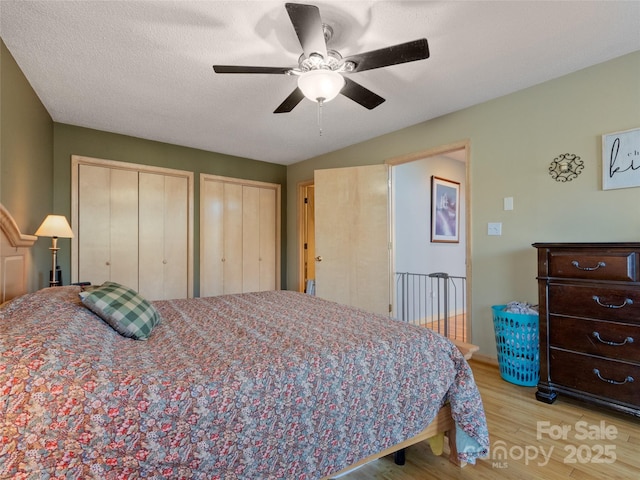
{"points": [[399, 457]]}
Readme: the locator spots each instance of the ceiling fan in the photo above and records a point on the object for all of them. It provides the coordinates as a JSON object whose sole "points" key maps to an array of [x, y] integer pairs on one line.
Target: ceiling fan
{"points": [[320, 70]]}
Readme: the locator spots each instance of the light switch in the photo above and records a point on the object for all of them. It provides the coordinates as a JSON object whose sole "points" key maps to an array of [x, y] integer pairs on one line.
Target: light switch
{"points": [[508, 203], [494, 229]]}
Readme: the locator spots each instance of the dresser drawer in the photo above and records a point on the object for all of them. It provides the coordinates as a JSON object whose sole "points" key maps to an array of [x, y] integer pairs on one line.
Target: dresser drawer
{"points": [[619, 303], [596, 266], [606, 339], [619, 381]]}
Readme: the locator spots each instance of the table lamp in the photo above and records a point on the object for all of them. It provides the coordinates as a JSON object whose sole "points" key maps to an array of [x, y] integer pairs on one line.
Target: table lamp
{"points": [[54, 226]]}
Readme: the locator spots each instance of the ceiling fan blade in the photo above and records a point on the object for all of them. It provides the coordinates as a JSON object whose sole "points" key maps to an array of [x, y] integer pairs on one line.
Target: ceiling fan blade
{"points": [[290, 102], [308, 26], [241, 69], [401, 53], [360, 94]]}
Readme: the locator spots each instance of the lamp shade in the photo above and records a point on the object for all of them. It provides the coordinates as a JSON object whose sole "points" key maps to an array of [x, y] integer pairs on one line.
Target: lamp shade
{"points": [[55, 226], [320, 84]]}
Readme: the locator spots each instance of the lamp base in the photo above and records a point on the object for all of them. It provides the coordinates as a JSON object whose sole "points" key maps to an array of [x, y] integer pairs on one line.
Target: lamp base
{"points": [[55, 280]]}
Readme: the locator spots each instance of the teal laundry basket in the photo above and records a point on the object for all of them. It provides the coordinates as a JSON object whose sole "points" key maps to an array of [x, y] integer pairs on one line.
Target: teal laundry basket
{"points": [[518, 343]]}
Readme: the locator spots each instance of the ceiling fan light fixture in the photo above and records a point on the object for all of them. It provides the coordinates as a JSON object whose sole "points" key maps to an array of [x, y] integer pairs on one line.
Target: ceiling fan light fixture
{"points": [[320, 85]]}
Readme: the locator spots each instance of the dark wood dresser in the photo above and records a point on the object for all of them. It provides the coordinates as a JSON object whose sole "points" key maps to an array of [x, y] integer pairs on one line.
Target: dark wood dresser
{"points": [[589, 296]]}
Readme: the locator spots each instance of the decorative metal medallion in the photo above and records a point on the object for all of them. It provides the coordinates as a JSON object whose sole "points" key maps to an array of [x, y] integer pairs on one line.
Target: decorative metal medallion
{"points": [[566, 167]]}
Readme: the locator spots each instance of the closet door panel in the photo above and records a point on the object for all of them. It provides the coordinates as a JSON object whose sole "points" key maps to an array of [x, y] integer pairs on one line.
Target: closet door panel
{"points": [[238, 236], [151, 228], [176, 241], [124, 227], [108, 225], [94, 198], [134, 226], [267, 246], [211, 238], [221, 238], [232, 226], [250, 239]]}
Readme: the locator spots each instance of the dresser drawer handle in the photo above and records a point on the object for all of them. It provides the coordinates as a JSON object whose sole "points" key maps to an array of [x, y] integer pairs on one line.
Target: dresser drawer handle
{"points": [[627, 301], [576, 264], [629, 379], [614, 344]]}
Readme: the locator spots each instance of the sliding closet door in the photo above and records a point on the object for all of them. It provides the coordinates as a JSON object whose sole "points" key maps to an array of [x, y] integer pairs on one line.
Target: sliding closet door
{"points": [[107, 225]]}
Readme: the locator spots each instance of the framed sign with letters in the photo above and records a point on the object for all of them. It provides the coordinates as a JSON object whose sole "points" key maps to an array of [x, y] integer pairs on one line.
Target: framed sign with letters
{"points": [[621, 159]]}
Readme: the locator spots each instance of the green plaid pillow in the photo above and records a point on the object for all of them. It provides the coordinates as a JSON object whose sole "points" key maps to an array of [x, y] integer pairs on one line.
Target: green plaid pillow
{"points": [[123, 308]]}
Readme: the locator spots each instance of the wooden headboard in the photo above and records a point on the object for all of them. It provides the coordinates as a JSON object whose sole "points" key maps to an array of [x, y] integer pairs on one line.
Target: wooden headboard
{"points": [[14, 257]]}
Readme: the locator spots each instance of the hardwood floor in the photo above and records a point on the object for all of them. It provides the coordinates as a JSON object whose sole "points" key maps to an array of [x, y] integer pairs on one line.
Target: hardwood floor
{"points": [[456, 325], [528, 435]]}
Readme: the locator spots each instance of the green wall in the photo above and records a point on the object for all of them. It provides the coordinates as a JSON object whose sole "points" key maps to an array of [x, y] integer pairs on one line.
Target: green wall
{"points": [[26, 161], [35, 165], [513, 139], [70, 140]]}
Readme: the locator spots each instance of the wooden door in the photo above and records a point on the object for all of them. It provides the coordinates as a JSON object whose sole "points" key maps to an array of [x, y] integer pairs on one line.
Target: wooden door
{"points": [[107, 225], [250, 239], [352, 236], [151, 239], [112, 204], [220, 237], [239, 235], [309, 267], [94, 226], [163, 228], [268, 243], [232, 241], [211, 238], [258, 238], [176, 237]]}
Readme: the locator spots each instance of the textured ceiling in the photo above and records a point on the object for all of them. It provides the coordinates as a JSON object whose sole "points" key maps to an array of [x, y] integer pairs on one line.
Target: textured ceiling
{"points": [[144, 68]]}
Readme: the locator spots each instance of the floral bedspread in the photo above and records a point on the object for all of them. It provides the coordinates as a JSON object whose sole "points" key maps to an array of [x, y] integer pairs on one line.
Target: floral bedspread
{"points": [[270, 385]]}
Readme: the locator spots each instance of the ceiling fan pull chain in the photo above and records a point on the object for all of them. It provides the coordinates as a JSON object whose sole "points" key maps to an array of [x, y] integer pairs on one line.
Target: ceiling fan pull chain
{"points": [[320, 105]]}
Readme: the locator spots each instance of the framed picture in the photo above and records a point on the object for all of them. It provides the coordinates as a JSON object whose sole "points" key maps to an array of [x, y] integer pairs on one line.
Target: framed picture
{"points": [[445, 210], [621, 159]]}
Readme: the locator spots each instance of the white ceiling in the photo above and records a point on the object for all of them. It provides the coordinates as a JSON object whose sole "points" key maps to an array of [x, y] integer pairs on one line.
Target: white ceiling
{"points": [[144, 68]]}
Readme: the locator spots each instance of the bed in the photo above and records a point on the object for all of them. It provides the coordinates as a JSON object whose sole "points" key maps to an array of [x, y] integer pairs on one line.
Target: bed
{"points": [[269, 385], [261, 385]]}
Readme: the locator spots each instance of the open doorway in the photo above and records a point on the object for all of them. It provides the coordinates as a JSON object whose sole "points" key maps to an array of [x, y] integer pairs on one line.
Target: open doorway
{"points": [[306, 234], [412, 247], [431, 268]]}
